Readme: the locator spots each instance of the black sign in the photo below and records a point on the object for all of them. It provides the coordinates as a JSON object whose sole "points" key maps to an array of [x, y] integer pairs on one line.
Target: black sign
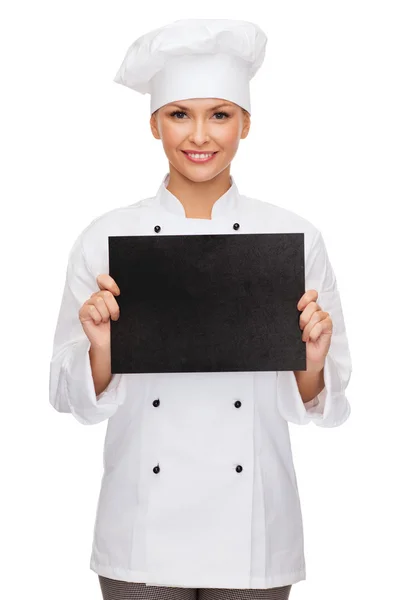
{"points": [[203, 303]]}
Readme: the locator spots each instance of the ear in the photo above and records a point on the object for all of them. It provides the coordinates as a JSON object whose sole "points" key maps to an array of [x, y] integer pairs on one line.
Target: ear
{"points": [[246, 125], [154, 125]]}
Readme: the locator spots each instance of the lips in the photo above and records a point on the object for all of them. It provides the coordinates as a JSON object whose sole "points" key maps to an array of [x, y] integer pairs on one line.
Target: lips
{"points": [[199, 160]]}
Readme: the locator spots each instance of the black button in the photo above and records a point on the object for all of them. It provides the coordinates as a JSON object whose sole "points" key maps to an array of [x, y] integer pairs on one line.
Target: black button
{"points": [[239, 468], [156, 402], [156, 469], [236, 226], [157, 228], [237, 404]]}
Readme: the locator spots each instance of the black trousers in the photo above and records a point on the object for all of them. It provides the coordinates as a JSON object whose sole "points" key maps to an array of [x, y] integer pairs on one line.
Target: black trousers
{"points": [[113, 589]]}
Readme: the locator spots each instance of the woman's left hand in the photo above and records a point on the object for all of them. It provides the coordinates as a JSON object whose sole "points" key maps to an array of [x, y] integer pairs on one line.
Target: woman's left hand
{"points": [[317, 326]]}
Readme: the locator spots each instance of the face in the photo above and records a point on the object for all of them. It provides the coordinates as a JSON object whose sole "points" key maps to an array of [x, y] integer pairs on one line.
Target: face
{"points": [[200, 125]]}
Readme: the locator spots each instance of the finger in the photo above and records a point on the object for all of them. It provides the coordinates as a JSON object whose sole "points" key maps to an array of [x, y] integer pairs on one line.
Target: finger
{"points": [[111, 304], [309, 296], [307, 313], [315, 332], [100, 304], [318, 317], [106, 282], [89, 311], [322, 327]]}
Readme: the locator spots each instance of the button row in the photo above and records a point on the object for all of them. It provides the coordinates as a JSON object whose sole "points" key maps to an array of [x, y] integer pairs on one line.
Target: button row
{"points": [[157, 402], [157, 228], [157, 469]]}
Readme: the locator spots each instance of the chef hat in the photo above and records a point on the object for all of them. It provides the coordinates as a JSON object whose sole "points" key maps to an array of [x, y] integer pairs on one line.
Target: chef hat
{"points": [[195, 58]]}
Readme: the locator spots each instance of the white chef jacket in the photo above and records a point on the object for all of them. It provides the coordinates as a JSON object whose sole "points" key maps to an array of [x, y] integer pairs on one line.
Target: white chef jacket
{"points": [[199, 487]]}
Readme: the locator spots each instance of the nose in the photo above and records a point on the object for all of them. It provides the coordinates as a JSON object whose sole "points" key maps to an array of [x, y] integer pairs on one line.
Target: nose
{"points": [[199, 134]]}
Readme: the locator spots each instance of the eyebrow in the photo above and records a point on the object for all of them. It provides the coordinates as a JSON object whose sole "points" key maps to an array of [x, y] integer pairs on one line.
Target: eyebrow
{"points": [[212, 108]]}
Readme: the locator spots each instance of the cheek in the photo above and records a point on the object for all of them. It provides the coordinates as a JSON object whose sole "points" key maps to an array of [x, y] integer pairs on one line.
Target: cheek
{"points": [[229, 138], [172, 136]]}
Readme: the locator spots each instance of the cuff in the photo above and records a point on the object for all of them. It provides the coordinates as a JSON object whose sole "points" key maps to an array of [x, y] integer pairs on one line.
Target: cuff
{"points": [[311, 403], [329, 408], [87, 407]]}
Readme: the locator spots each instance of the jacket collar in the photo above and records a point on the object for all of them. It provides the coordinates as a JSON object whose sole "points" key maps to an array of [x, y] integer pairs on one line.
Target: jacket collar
{"points": [[228, 202]]}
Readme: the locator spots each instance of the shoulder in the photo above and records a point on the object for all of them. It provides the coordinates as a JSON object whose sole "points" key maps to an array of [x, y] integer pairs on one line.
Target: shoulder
{"points": [[276, 218], [115, 218], [91, 244]]}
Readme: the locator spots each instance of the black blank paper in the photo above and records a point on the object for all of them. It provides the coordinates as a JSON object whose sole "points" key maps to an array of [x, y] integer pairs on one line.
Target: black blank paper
{"points": [[203, 303]]}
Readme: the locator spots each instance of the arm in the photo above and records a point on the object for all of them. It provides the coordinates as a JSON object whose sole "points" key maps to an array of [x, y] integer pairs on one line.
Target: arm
{"points": [[329, 407], [71, 384], [309, 384], [100, 361]]}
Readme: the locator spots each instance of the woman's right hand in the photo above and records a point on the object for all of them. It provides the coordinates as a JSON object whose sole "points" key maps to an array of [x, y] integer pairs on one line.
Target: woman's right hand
{"points": [[96, 312]]}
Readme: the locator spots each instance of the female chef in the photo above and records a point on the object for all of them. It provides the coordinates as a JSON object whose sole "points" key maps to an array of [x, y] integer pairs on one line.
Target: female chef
{"points": [[199, 494]]}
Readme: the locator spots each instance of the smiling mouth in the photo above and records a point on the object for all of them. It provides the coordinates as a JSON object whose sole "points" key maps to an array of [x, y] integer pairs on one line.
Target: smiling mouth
{"points": [[200, 157]]}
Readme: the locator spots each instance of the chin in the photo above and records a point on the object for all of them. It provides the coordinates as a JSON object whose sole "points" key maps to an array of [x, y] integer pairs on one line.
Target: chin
{"points": [[197, 174], [200, 177]]}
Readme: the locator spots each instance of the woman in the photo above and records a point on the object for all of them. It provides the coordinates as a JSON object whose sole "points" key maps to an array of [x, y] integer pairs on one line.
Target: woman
{"points": [[199, 495]]}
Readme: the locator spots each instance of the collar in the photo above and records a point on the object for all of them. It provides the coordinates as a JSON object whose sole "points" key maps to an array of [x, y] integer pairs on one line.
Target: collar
{"points": [[226, 203]]}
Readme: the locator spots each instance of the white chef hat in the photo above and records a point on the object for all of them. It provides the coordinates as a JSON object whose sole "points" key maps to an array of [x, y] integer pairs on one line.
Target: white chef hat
{"points": [[195, 58]]}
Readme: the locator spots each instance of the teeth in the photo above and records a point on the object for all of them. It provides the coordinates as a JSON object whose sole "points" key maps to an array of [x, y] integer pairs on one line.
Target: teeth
{"points": [[200, 155]]}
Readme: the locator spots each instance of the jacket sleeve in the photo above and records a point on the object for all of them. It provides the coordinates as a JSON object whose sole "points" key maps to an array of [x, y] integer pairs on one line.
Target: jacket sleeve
{"points": [[71, 386], [330, 407]]}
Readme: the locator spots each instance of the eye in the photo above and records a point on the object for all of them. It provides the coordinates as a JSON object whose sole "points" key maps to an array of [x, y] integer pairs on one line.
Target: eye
{"points": [[180, 112], [177, 112]]}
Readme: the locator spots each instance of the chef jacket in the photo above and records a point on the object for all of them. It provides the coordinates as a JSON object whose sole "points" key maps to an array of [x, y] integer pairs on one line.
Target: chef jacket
{"points": [[198, 487]]}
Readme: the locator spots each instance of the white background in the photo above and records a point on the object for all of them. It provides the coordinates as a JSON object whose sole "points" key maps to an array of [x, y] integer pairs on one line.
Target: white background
{"points": [[325, 142]]}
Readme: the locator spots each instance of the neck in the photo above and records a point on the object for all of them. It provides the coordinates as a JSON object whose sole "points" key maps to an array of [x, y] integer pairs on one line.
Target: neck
{"points": [[198, 197]]}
